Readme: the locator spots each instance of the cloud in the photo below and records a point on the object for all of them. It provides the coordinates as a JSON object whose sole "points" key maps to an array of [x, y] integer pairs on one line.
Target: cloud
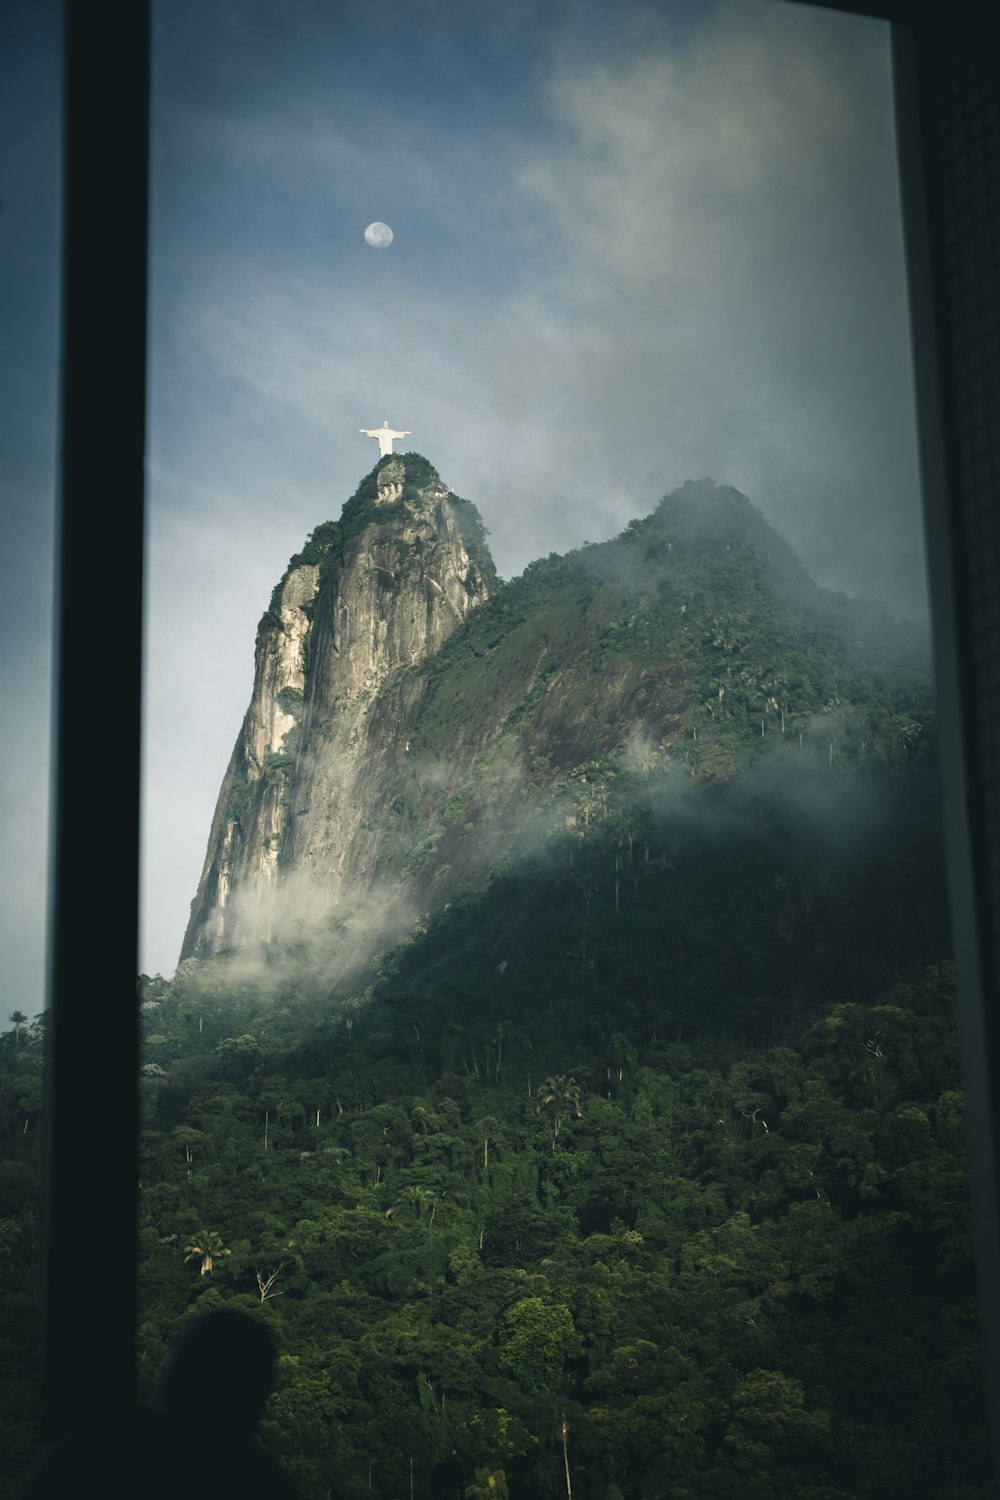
{"points": [[296, 934], [682, 258], [268, 142], [725, 287], [706, 278]]}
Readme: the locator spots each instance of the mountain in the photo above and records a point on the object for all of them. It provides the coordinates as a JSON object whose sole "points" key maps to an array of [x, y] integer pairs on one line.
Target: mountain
{"points": [[369, 597], [416, 724], [565, 1067]]}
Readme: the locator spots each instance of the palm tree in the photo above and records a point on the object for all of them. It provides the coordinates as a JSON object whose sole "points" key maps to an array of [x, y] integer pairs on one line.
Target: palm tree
{"points": [[561, 1090], [488, 1485], [560, 1095], [19, 1019], [425, 1200], [207, 1248]]}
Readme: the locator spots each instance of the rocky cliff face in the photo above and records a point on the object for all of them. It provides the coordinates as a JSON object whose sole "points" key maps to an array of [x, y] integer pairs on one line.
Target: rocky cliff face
{"points": [[415, 725], [369, 596]]}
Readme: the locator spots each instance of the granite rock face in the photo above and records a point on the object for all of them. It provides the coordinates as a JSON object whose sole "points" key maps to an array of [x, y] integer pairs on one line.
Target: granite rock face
{"points": [[320, 750], [418, 728]]}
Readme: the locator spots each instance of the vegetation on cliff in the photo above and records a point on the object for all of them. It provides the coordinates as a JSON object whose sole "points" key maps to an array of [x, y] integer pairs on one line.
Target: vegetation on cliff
{"points": [[325, 546], [691, 650], [637, 1167]]}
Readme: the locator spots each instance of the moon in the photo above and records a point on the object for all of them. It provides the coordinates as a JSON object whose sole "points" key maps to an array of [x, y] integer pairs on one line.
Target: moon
{"points": [[379, 235]]}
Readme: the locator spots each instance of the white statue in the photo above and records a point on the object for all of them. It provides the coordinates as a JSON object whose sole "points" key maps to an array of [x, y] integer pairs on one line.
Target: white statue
{"points": [[385, 436]]}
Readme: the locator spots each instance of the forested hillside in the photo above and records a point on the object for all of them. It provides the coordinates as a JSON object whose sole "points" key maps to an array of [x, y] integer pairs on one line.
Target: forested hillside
{"points": [[636, 1168]]}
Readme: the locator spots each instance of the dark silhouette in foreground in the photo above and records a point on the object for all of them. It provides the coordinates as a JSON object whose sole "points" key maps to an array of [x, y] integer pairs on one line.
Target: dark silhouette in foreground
{"points": [[198, 1429]]}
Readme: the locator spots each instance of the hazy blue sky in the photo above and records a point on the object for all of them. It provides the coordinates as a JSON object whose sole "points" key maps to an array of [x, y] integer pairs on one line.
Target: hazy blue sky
{"points": [[633, 245]]}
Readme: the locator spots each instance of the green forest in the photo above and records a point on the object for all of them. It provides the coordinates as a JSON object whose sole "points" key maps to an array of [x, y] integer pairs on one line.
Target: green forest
{"points": [[635, 1171]]}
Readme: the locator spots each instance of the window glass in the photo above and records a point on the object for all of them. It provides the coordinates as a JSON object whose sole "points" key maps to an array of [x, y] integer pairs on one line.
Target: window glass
{"points": [[564, 1058], [29, 248]]}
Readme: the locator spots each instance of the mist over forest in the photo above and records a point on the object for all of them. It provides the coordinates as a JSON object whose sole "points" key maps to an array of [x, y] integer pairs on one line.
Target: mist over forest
{"points": [[580, 1106]]}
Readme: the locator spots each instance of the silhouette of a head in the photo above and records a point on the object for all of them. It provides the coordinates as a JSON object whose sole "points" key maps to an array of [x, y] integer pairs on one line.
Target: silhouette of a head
{"points": [[218, 1372]]}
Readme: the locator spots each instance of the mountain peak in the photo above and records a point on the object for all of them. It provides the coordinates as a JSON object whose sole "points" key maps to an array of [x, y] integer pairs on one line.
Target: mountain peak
{"points": [[369, 596], [414, 724]]}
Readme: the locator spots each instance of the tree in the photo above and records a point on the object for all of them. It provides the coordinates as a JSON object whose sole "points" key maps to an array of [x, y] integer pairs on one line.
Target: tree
{"points": [[507, 1032], [425, 1200], [488, 1485], [266, 1280], [19, 1019], [536, 1340], [188, 1137], [561, 1097], [29, 1099], [208, 1248], [772, 1428], [564, 1440]]}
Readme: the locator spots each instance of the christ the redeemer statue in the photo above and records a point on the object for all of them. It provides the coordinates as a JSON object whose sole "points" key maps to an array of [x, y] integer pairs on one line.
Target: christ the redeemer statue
{"points": [[385, 436]]}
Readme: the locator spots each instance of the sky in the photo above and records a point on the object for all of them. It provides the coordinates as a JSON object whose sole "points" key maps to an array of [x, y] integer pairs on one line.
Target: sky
{"points": [[632, 246]]}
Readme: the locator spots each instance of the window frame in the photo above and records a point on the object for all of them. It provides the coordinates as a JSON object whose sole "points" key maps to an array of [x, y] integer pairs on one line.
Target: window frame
{"points": [[92, 1119]]}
